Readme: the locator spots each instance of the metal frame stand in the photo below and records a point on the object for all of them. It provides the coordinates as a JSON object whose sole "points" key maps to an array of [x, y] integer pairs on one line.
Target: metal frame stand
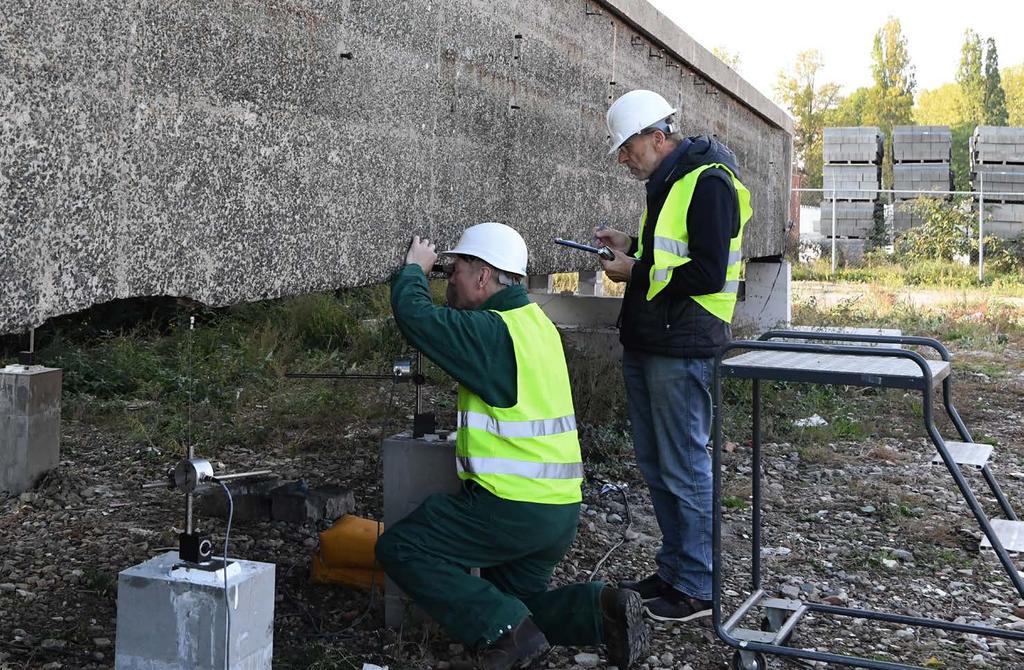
{"points": [[816, 363]]}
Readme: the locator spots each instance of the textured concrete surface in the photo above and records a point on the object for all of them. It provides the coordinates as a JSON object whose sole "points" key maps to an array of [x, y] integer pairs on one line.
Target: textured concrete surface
{"points": [[235, 151], [1003, 183]]}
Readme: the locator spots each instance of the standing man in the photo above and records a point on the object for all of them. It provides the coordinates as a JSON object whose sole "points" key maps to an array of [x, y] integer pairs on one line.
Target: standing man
{"points": [[682, 269], [518, 455]]}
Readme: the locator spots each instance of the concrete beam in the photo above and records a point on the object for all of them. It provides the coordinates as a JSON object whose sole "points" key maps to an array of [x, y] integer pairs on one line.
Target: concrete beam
{"points": [[231, 152]]}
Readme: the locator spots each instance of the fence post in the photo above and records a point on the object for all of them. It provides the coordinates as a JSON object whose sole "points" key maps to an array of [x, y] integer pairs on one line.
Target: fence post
{"points": [[833, 225], [981, 227]]}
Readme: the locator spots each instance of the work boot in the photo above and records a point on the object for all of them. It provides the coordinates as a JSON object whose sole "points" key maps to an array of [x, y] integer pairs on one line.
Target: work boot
{"points": [[625, 633], [677, 606], [518, 648], [649, 587]]}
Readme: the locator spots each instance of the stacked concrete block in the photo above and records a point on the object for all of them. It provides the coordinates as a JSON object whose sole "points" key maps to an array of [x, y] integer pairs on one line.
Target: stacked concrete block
{"points": [[853, 219], [920, 156], [905, 216], [851, 182], [921, 144], [1005, 220], [851, 177], [857, 145], [997, 176]]}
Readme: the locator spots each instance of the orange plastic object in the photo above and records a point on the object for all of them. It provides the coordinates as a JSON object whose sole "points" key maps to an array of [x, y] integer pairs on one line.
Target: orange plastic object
{"points": [[346, 554]]}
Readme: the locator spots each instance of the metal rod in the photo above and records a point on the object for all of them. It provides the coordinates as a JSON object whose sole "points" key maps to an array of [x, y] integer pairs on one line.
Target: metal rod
{"points": [[240, 475], [745, 607], [755, 535], [31, 340], [335, 375]]}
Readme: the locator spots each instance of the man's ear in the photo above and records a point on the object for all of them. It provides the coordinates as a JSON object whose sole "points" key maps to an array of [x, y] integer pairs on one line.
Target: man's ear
{"points": [[484, 278]]}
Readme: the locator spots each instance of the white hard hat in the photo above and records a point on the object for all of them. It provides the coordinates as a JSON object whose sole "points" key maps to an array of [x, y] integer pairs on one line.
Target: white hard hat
{"points": [[633, 112], [495, 243]]}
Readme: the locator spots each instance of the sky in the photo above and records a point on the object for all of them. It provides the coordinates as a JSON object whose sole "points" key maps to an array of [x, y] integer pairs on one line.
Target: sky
{"points": [[768, 35]]}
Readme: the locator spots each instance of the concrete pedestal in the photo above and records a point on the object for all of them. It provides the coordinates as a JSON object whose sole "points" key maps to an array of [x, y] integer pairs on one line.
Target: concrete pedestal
{"points": [[29, 425], [413, 470], [767, 300], [174, 618]]}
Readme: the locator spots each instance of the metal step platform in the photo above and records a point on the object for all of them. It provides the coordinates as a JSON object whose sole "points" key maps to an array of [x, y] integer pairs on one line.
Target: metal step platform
{"points": [[857, 360], [972, 454], [1010, 534]]}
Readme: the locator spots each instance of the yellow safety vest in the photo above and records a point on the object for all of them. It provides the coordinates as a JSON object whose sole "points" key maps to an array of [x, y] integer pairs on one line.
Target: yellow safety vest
{"points": [[671, 248], [528, 452]]}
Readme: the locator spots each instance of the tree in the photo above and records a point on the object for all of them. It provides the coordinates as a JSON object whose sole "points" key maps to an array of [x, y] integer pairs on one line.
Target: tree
{"points": [[730, 58], [1013, 84], [852, 110], [942, 106], [892, 96], [995, 97], [971, 79], [809, 103]]}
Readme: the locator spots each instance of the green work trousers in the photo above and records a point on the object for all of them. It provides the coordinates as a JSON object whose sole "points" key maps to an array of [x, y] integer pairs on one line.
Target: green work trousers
{"points": [[516, 545]]}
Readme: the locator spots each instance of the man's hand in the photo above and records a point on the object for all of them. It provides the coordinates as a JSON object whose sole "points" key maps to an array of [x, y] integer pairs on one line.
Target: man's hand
{"points": [[620, 269], [421, 253], [614, 239]]}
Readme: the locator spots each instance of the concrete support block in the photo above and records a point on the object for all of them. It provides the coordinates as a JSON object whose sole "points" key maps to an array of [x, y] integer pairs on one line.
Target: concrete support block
{"points": [[413, 470], [29, 425], [767, 296], [580, 310], [540, 283], [172, 618], [591, 283]]}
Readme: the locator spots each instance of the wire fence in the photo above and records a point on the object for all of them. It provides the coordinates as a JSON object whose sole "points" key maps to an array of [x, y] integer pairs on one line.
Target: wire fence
{"points": [[980, 194]]}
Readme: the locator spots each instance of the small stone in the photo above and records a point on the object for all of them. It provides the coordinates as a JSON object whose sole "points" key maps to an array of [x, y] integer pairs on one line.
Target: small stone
{"points": [[102, 642], [791, 591], [889, 563], [49, 644], [868, 509], [8, 587], [667, 658], [614, 518], [586, 659]]}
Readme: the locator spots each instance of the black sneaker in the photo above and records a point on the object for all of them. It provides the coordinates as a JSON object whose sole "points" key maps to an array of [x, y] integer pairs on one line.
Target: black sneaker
{"points": [[649, 588], [676, 606], [625, 632], [518, 648]]}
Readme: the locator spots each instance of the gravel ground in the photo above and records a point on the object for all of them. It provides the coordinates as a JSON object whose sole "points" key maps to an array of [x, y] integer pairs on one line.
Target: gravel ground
{"points": [[864, 523]]}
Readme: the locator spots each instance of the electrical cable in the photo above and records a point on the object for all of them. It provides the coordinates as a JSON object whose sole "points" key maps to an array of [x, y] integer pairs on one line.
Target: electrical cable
{"points": [[227, 602], [629, 521]]}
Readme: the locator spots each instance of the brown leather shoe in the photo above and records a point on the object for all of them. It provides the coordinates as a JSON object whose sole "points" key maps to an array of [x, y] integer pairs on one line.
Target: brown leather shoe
{"points": [[625, 633], [518, 648]]}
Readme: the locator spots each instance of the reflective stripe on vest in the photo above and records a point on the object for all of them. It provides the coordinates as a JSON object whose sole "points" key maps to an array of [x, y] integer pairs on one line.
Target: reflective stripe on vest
{"points": [[537, 428], [671, 242], [530, 451]]}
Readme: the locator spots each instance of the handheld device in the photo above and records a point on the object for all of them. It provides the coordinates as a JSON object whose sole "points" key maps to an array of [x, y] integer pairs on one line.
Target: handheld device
{"points": [[604, 252]]}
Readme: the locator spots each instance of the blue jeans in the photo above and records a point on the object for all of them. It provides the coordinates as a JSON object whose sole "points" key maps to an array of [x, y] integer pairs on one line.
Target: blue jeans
{"points": [[670, 409]]}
